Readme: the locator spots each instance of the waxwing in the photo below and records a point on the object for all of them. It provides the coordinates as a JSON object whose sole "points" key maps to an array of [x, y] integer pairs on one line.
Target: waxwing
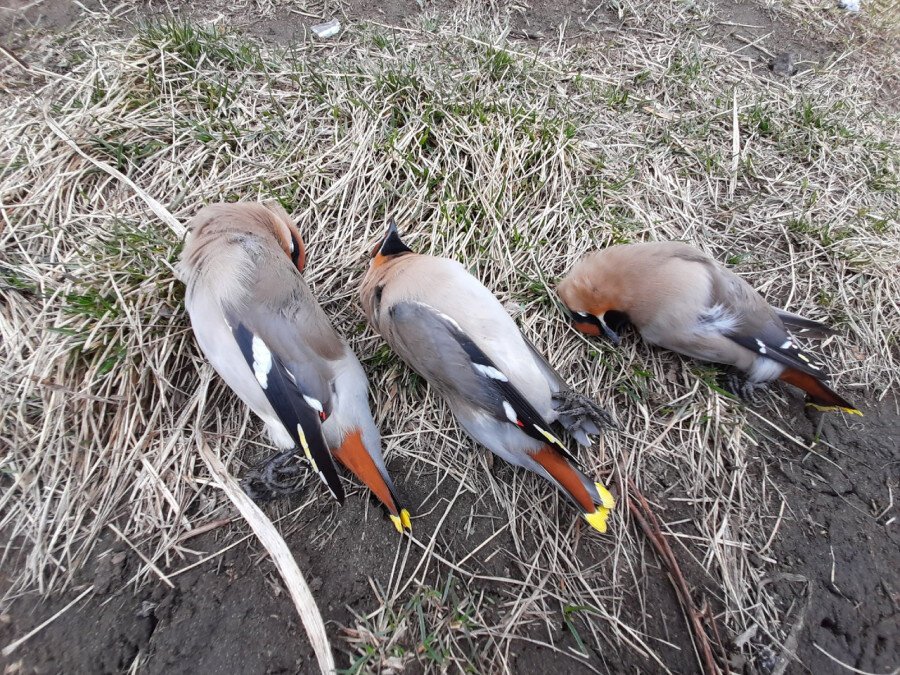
{"points": [[451, 330], [681, 299], [259, 325]]}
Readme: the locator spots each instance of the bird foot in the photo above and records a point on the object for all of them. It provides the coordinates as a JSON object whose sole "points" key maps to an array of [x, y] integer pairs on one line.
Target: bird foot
{"points": [[736, 383], [578, 412], [276, 477]]}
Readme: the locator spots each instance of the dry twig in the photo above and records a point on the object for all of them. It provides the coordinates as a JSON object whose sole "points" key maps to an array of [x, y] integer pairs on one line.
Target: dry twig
{"points": [[643, 514]]}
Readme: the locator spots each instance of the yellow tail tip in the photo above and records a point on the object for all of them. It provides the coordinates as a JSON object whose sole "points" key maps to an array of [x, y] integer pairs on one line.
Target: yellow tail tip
{"points": [[606, 498], [829, 408], [402, 521], [597, 519]]}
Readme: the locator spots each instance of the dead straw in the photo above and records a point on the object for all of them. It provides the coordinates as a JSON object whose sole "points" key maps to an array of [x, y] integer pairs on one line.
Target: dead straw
{"points": [[281, 555]]}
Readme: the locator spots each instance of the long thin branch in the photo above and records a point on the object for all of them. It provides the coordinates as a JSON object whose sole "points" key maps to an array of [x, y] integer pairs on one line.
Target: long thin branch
{"points": [[649, 524]]}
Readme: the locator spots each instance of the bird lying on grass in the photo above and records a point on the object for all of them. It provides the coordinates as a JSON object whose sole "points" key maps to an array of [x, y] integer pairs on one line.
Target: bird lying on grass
{"points": [[453, 332], [679, 298], [258, 323]]}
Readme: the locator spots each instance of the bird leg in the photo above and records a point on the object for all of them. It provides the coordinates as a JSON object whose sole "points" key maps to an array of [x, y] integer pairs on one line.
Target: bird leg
{"points": [[579, 412], [275, 477], [736, 383]]}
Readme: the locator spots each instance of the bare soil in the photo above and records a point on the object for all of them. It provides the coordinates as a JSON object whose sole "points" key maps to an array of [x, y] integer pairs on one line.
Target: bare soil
{"points": [[232, 614], [837, 579]]}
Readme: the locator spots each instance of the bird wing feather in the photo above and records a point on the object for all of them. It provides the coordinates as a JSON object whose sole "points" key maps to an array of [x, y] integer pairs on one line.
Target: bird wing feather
{"points": [[437, 347], [294, 388], [300, 416], [774, 342], [797, 322], [758, 326]]}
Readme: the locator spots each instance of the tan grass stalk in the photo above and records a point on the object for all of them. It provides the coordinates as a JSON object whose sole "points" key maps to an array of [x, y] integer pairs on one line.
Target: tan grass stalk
{"points": [[281, 555]]}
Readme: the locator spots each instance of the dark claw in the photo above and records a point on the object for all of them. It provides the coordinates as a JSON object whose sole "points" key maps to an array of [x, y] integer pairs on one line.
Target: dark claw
{"points": [[736, 383], [574, 409], [277, 477]]}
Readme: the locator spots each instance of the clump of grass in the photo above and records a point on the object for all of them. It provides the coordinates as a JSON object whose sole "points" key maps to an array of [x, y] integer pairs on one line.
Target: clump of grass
{"points": [[515, 163]]}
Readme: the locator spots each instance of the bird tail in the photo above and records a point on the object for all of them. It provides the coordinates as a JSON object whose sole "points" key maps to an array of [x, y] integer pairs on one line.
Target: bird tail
{"points": [[819, 394], [797, 322], [593, 499], [354, 455]]}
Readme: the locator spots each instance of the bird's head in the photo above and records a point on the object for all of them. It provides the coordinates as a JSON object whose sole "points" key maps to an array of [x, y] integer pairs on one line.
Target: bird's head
{"points": [[288, 236], [590, 306]]}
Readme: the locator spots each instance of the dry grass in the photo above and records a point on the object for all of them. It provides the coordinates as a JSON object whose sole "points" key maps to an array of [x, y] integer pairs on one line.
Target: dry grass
{"points": [[513, 161]]}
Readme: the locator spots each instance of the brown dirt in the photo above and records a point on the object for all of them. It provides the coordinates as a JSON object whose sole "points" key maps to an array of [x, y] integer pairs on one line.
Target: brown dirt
{"points": [[837, 539], [232, 614]]}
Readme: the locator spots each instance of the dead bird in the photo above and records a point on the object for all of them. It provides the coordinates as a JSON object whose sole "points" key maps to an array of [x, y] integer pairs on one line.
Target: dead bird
{"points": [[681, 299], [260, 326], [452, 331]]}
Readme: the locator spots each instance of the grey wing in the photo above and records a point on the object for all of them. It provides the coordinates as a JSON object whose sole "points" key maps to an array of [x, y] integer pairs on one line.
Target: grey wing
{"points": [[797, 322], [425, 339], [439, 350], [556, 381], [301, 417], [774, 342], [285, 335], [281, 338], [759, 327]]}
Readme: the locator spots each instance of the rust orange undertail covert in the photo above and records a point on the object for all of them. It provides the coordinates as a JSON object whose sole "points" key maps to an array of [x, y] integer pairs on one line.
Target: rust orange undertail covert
{"points": [[352, 454], [820, 395], [680, 299], [259, 325], [453, 332]]}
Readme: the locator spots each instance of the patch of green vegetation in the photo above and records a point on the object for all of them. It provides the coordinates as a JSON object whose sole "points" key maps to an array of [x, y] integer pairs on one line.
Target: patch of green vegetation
{"points": [[688, 67], [125, 154], [630, 393], [383, 358], [641, 373], [712, 378], [711, 162], [620, 223], [134, 253], [761, 119], [101, 359], [570, 614], [12, 278], [382, 42], [617, 97], [736, 258], [531, 290], [824, 298], [826, 234], [882, 160], [876, 223], [498, 63], [93, 304], [194, 44], [812, 115], [437, 626]]}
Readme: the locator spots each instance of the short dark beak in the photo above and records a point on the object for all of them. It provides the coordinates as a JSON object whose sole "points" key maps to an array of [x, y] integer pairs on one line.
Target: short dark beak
{"points": [[592, 325]]}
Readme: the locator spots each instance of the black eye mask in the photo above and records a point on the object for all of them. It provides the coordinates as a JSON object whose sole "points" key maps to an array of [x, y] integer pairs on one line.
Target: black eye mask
{"points": [[295, 251]]}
